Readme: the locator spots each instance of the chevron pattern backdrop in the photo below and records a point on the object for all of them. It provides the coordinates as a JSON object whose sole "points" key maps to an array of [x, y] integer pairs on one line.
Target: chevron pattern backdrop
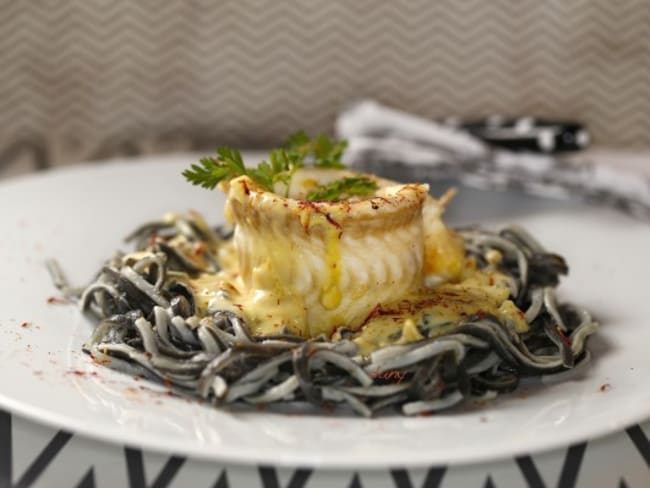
{"points": [[91, 79]]}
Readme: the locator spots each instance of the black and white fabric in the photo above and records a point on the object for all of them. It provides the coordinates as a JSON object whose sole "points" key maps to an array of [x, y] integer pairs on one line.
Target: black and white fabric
{"points": [[400, 145]]}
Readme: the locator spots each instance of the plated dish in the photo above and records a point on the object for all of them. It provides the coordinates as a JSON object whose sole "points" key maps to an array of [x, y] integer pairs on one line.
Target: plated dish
{"points": [[331, 288], [82, 212]]}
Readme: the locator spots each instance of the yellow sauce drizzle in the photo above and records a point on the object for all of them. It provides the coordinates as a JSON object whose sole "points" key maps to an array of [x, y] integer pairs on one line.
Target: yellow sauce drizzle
{"points": [[330, 297]]}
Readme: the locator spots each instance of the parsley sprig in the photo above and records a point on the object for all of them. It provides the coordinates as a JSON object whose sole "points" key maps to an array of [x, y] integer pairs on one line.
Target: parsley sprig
{"points": [[299, 151], [341, 189], [210, 171]]}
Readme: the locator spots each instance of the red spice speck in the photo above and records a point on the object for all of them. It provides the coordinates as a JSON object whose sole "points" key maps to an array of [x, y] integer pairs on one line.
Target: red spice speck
{"points": [[563, 336], [373, 313], [198, 249], [24, 325], [77, 372], [57, 300], [605, 387], [167, 382], [328, 408]]}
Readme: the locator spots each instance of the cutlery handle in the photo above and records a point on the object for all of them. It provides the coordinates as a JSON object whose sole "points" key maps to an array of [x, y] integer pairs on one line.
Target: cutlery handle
{"points": [[528, 133]]}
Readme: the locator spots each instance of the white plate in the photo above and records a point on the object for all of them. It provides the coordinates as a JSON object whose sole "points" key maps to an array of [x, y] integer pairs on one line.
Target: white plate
{"points": [[80, 215]]}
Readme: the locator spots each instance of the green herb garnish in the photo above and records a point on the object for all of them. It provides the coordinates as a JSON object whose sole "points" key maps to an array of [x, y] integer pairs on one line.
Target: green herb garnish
{"points": [[341, 189], [228, 165], [299, 151]]}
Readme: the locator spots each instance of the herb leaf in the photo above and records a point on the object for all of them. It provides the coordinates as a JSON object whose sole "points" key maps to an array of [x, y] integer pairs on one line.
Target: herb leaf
{"points": [[340, 189], [210, 171], [299, 151], [327, 154], [321, 151], [298, 142]]}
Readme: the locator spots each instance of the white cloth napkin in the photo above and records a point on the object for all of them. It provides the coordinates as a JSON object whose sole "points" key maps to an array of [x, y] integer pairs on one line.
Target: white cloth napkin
{"points": [[394, 143]]}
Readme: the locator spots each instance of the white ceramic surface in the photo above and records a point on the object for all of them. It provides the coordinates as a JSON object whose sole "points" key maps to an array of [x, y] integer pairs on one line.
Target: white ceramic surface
{"points": [[79, 215]]}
